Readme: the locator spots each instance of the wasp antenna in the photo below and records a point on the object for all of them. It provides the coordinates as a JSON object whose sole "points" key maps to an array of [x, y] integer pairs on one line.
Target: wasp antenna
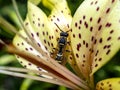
{"points": [[58, 27], [69, 30]]}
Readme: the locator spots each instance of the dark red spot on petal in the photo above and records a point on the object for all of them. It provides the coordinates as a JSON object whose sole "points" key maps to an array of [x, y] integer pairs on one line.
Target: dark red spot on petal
{"points": [[38, 24], [73, 35], [52, 44], [91, 3], [43, 33], [97, 53], [44, 41], [38, 19], [26, 49], [37, 34], [91, 19], [99, 28], [78, 46], [32, 34], [109, 38], [92, 38], [77, 55], [95, 41], [48, 43], [105, 47], [31, 49], [108, 52], [108, 10], [58, 19], [29, 64], [39, 44], [71, 58], [91, 29], [51, 19], [118, 38], [108, 46], [102, 84], [46, 33], [95, 59], [33, 15], [99, 20], [22, 43], [100, 59], [100, 41], [84, 17], [80, 21], [24, 66], [83, 42], [76, 24], [111, 31], [79, 27], [96, 2], [96, 65], [26, 23], [84, 57], [113, 1], [92, 51], [18, 44], [46, 48], [33, 22], [61, 11], [43, 25], [83, 65], [86, 24], [21, 62], [56, 30], [50, 37], [108, 24], [86, 45], [79, 35], [97, 9]]}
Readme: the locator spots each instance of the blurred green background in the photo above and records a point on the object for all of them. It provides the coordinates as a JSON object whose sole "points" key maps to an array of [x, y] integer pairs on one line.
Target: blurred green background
{"points": [[111, 69]]}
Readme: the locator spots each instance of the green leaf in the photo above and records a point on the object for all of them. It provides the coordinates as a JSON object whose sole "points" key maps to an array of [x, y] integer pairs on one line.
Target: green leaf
{"points": [[26, 84], [6, 59]]}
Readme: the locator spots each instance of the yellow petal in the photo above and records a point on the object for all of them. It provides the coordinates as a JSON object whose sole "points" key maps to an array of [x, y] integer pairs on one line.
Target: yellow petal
{"points": [[41, 32], [109, 84], [36, 2], [50, 4], [61, 15], [95, 34]]}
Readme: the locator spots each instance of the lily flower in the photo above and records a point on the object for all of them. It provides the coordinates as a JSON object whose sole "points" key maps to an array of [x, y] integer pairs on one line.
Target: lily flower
{"points": [[93, 39]]}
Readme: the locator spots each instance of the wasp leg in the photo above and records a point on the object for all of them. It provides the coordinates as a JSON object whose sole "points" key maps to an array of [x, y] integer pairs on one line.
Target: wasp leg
{"points": [[58, 39], [68, 42], [67, 50], [64, 61], [55, 49]]}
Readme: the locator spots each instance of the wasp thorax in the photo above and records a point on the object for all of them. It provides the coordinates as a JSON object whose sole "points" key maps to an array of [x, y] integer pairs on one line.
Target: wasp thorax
{"points": [[64, 34]]}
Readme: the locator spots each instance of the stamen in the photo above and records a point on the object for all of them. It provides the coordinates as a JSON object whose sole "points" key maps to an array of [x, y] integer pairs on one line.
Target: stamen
{"points": [[34, 78]]}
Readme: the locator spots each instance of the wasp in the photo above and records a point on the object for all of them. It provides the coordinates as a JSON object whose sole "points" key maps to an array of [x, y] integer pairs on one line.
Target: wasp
{"points": [[62, 42]]}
